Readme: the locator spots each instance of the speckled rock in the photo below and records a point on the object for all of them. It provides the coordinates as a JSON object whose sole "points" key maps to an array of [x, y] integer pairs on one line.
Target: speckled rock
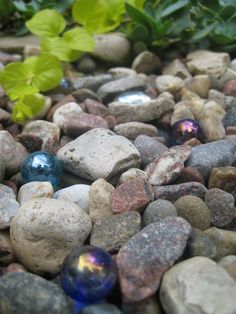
{"points": [[143, 259], [34, 190], [158, 210], [27, 293], [103, 308], [13, 153], [2, 168], [147, 306], [8, 206], [176, 68], [229, 264], [221, 205], [44, 230], [63, 111], [198, 285], [100, 200], [111, 233], [133, 129], [7, 255], [169, 83], [131, 174], [99, 153], [146, 62]]}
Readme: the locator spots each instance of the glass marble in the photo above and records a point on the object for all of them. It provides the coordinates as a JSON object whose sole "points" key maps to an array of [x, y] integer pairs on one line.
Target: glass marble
{"points": [[41, 166], [184, 130], [133, 97], [88, 274]]}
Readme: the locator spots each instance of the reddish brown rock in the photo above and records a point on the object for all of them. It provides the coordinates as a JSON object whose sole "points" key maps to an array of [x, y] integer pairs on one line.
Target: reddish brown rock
{"points": [[134, 194], [192, 142], [111, 121], [190, 175], [31, 142], [230, 88], [231, 130], [96, 108]]}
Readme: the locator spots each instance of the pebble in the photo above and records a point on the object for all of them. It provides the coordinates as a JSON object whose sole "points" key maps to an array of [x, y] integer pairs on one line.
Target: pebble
{"points": [[133, 97], [229, 265], [77, 194], [169, 83], [146, 62], [34, 190], [44, 230], [82, 94], [131, 174], [8, 206], [176, 68], [134, 194], [190, 174], [143, 259], [111, 233], [230, 117], [131, 130], [27, 293], [194, 210], [15, 267], [119, 72], [198, 285], [99, 153], [86, 65], [103, 308], [92, 82], [199, 84], [31, 142], [230, 88], [2, 168], [7, 255], [158, 210], [147, 306], [96, 108], [221, 205], [62, 112]]}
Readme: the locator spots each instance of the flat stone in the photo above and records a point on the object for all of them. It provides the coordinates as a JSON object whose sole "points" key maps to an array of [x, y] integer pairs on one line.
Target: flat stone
{"points": [[169, 83], [63, 111], [133, 129], [8, 206], [146, 62], [148, 254], [93, 82], [198, 285], [34, 190], [99, 153], [111, 233], [176, 68], [229, 265], [134, 194]]}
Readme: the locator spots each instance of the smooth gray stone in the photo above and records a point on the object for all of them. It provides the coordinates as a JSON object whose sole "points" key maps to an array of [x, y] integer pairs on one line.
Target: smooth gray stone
{"points": [[92, 82]]}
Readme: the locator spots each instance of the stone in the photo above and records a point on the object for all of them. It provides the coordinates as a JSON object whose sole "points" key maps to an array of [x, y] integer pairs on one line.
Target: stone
{"points": [[133, 129], [158, 210], [111, 233], [199, 84], [198, 285], [147, 306], [175, 191], [31, 142], [229, 265], [143, 112], [219, 83], [7, 255], [27, 293], [8, 206], [176, 68], [99, 153], [213, 64], [47, 131], [182, 111], [169, 83], [15, 268], [2, 168], [61, 113], [165, 169], [131, 195], [146, 62], [190, 175], [100, 200], [6, 58], [230, 88], [230, 117], [131, 174], [112, 48], [184, 130], [194, 210], [92, 82], [94, 107], [43, 231], [148, 254], [11, 44], [86, 65], [13, 153], [34, 190], [221, 205], [119, 72], [103, 308], [77, 194], [5, 117], [81, 94]]}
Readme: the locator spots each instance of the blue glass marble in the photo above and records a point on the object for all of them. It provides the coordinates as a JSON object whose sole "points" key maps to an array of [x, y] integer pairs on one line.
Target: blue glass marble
{"points": [[133, 97], [88, 274], [41, 166], [184, 130]]}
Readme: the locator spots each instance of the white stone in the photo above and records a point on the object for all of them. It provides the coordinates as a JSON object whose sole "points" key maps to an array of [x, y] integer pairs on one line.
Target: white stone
{"points": [[34, 190]]}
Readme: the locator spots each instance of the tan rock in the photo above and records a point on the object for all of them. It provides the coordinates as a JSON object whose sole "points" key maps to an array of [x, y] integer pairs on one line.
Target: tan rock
{"points": [[199, 84], [131, 174], [169, 83], [34, 190], [146, 62], [177, 68]]}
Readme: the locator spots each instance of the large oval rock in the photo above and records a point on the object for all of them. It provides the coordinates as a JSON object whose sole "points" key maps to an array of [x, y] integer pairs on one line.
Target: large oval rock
{"points": [[198, 285], [44, 230]]}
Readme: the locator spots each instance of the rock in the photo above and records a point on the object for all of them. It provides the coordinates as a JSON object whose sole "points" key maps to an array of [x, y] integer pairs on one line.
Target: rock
{"points": [[146, 62], [77, 194], [27, 293], [99, 153], [100, 200], [158, 210], [143, 259], [147, 306], [166, 168], [47, 131], [31, 142], [231, 130], [13, 153], [149, 148], [133, 129], [175, 191], [213, 64], [34, 190], [5, 117], [61, 114], [199, 244], [221, 205], [17, 44], [131, 174], [112, 48], [2, 168], [7, 255], [194, 210], [198, 285], [143, 112], [169, 83], [131, 195], [176, 68], [230, 117], [111, 233], [43, 231], [6, 58], [82, 94], [190, 175], [206, 156], [15, 268], [229, 265], [119, 72], [103, 308], [96, 108], [230, 88], [219, 83], [92, 82], [199, 84], [112, 89], [8, 206], [224, 101], [182, 111], [86, 65]]}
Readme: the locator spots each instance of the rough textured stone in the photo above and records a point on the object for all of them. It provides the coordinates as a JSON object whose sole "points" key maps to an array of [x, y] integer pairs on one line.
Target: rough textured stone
{"points": [[134, 194], [230, 117], [143, 259], [169, 83], [44, 230], [229, 264], [103, 308], [34, 190], [147, 306], [131, 174], [133, 129], [8, 206], [31, 142], [146, 62], [7, 255], [99, 153], [198, 285], [176, 68], [27, 293], [111, 233]]}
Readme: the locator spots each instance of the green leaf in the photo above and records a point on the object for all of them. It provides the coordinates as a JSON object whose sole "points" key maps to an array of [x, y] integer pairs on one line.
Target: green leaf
{"points": [[22, 90], [46, 23], [174, 7], [79, 39], [203, 32], [140, 33], [138, 4], [35, 102], [21, 112]]}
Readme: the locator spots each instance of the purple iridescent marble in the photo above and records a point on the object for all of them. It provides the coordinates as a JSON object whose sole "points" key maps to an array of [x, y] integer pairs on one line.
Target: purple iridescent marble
{"points": [[184, 130]]}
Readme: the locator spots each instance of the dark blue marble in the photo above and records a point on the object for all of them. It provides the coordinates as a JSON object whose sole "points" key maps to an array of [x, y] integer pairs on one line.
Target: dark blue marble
{"points": [[41, 166], [184, 130], [88, 274]]}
